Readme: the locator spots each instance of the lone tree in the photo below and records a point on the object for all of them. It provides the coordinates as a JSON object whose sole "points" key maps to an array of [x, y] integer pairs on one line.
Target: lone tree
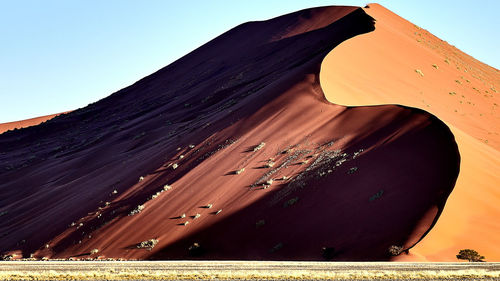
{"points": [[470, 255]]}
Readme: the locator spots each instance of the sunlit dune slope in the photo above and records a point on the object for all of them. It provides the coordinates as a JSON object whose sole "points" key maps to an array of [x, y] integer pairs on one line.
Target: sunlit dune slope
{"points": [[25, 123], [235, 148], [400, 63]]}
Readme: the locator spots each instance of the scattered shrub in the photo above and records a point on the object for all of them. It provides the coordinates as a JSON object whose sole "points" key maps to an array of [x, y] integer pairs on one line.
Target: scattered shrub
{"points": [[435, 66], [470, 255], [419, 72], [395, 250], [276, 247], [139, 136], [195, 250], [340, 162], [269, 164], [352, 170], [260, 223], [258, 147], [357, 153], [376, 195], [148, 244], [137, 210], [452, 93], [291, 202]]}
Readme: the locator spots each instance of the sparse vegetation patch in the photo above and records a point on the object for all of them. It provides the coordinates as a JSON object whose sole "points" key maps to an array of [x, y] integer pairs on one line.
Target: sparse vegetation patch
{"points": [[352, 170], [376, 195], [276, 247], [137, 210], [260, 223], [291, 202], [260, 146], [395, 250], [148, 244]]}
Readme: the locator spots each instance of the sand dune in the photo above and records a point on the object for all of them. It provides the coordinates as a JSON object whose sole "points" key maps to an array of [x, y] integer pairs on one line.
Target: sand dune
{"points": [[381, 68], [233, 147], [25, 123]]}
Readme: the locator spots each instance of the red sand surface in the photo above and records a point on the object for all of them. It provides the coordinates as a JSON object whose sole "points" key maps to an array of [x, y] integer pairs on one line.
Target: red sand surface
{"points": [[380, 68], [356, 179], [25, 123]]}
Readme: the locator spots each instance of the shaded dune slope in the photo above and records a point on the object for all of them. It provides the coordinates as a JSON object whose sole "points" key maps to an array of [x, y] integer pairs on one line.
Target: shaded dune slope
{"points": [[380, 67], [357, 179]]}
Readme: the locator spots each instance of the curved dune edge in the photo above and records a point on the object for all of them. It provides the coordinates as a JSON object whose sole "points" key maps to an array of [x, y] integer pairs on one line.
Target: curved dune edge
{"points": [[380, 68]]}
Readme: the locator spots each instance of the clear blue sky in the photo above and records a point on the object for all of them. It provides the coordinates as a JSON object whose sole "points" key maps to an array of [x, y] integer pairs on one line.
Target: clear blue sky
{"points": [[59, 55]]}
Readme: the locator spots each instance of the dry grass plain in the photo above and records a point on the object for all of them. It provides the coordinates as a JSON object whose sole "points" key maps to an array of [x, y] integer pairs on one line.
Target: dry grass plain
{"points": [[244, 270]]}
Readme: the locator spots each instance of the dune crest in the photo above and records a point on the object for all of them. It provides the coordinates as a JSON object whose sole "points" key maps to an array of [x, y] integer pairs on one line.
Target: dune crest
{"points": [[400, 63], [26, 123]]}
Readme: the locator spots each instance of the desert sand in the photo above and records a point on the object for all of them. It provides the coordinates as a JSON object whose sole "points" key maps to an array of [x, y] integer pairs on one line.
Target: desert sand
{"points": [[380, 67], [239, 150], [25, 123]]}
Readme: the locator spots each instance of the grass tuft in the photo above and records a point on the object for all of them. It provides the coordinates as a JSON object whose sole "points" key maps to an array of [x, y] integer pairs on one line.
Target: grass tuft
{"points": [[419, 72]]}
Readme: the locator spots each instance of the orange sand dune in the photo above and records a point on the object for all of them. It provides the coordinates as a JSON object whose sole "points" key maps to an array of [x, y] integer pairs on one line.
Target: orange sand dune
{"points": [[382, 67], [233, 147], [25, 123]]}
